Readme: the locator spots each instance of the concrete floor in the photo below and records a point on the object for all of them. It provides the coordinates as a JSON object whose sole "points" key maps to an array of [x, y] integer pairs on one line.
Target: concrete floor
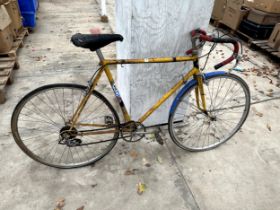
{"points": [[241, 174]]}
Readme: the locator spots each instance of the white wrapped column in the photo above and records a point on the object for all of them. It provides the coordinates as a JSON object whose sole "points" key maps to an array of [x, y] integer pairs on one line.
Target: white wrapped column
{"points": [[155, 28]]}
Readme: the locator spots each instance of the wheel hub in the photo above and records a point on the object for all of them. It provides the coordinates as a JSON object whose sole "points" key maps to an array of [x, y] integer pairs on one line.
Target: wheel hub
{"points": [[68, 136], [73, 142], [213, 118], [67, 133]]}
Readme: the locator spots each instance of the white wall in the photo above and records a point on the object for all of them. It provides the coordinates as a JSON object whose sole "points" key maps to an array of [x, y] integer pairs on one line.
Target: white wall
{"points": [[155, 28]]}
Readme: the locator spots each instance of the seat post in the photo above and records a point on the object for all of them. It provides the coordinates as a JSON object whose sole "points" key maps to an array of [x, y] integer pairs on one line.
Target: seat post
{"points": [[100, 55]]}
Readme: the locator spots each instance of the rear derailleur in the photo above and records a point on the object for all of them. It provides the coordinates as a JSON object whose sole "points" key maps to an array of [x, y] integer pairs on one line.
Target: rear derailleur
{"points": [[68, 137]]}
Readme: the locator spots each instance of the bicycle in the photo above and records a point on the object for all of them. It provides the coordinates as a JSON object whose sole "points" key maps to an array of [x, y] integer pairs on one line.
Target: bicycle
{"points": [[70, 125]]}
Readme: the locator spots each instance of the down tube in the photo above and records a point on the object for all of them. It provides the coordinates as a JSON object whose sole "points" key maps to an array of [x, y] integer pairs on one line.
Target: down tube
{"points": [[168, 94]]}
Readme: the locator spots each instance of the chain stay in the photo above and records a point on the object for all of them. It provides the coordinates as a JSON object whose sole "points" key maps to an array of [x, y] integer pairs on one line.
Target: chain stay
{"points": [[130, 127]]}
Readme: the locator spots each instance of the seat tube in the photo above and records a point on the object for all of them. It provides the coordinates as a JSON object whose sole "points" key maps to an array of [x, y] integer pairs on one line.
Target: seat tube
{"points": [[114, 88], [100, 55], [117, 94]]}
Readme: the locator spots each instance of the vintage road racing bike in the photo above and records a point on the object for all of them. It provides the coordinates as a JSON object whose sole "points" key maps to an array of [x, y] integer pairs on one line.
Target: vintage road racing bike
{"points": [[70, 125]]}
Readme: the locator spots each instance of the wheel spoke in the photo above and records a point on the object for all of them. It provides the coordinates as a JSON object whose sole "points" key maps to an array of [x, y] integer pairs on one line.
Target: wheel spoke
{"points": [[228, 102], [40, 118]]}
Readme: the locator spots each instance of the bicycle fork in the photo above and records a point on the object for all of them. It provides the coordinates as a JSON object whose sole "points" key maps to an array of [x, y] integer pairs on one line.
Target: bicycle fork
{"points": [[200, 94]]}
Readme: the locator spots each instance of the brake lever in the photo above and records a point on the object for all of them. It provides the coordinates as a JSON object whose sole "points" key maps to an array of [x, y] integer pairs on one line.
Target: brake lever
{"points": [[238, 59]]}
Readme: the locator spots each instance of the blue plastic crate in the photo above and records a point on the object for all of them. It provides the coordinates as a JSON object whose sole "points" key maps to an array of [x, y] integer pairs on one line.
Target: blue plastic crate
{"points": [[29, 19], [28, 10], [28, 5]]}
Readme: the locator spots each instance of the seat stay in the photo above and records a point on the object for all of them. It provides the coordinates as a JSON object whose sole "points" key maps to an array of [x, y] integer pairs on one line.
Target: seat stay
{"points": [[85, 99]]}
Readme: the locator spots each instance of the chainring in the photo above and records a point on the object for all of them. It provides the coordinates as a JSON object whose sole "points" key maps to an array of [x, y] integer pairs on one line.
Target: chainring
{"points": [[133, 131]]}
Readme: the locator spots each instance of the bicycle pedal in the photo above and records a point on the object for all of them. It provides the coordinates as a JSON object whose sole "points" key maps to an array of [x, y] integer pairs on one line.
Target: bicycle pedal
{"points": [[159, 139]]}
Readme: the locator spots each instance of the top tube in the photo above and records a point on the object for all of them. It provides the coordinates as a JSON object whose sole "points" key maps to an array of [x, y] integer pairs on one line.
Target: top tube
{"points": [[150, 60]]}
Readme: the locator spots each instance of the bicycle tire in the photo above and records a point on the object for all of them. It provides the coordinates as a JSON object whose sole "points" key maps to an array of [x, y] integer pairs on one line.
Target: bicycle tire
{"points": [[193, 136], [42, 99]]}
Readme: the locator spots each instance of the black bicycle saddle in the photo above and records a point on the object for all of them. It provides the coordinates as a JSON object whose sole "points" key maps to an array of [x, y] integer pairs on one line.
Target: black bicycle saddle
{"points": [[94, 41]]}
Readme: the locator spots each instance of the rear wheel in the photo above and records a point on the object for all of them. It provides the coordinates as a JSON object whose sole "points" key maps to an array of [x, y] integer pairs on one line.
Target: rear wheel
{"points": [[228, 105], [41, 126]]}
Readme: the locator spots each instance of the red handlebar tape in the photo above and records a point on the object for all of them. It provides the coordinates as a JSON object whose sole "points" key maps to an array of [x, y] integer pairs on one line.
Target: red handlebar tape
{"points": [[203, 37]]}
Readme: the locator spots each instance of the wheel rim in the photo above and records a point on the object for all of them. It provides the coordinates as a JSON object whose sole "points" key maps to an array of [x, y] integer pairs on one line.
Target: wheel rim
{"points": [[229, 101], [41, 116]]}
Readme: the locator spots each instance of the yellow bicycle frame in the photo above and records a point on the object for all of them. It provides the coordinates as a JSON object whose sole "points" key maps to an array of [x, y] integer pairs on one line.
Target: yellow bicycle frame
{"points": [[105, 68]]}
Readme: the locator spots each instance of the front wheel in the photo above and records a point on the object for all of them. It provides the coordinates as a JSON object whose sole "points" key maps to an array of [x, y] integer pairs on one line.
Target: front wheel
{"points": [[41, 126], [228, 104]]}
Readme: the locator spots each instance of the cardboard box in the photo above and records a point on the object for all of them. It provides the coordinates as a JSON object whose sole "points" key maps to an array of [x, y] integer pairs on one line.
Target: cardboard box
{"points": [[219, 9], [234, 16], [6, 37], [237, 4], [250, 3], [274, 40], [13, 11], [3, 2], [272, 6], [263, 18]]}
